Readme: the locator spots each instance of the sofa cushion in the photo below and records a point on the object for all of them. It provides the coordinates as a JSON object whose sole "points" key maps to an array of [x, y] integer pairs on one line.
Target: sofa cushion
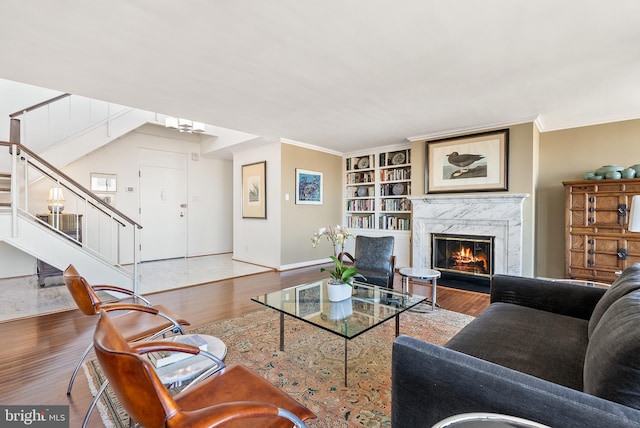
{"points": [[543, 344], [612, 361], [627, 282]]}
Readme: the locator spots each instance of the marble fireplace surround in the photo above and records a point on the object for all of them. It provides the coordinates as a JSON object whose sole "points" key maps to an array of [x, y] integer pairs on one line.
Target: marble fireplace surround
{"points": [[497, 215]]}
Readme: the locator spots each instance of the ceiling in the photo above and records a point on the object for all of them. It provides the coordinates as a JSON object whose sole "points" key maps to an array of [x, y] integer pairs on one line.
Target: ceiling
{"points": [[340, 74]]}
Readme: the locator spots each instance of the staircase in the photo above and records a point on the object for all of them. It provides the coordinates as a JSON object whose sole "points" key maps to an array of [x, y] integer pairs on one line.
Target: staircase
{"points": [[98, 255], [5, 189]]}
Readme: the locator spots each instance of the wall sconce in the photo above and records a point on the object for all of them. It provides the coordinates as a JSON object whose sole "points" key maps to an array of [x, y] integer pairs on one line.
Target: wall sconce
{"points": [[56, 200], [634, 215], [184, 125]]}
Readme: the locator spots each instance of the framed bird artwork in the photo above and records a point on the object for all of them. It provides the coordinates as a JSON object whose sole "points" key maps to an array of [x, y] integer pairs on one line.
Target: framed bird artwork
{"points": [[470, 163]]}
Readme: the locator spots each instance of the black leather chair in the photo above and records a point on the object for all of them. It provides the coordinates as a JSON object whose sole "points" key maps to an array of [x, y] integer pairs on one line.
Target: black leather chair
{"points": [[374, 259]]}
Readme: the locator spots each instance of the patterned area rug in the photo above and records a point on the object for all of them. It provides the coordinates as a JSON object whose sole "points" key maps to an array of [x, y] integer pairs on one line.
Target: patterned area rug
{"points": [[311, 369]]}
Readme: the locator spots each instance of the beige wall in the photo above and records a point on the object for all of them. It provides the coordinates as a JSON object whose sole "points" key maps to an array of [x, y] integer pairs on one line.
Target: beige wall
{"points": [[523, 160], [564, 156], [300, 221]]}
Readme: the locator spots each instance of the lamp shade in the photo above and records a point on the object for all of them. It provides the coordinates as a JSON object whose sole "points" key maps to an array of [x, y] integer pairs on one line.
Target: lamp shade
{"points": [[55, 194], [56, 200], [634, 214]]}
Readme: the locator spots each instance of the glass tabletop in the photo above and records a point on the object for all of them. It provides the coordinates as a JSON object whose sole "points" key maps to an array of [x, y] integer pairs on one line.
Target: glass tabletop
{"points": [[368, 306]]}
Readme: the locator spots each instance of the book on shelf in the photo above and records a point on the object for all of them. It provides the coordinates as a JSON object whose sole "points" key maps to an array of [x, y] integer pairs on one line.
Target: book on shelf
{"points": [[164, 358]]}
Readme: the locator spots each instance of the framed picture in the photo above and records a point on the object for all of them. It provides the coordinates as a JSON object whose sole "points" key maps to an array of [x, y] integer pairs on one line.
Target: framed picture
{"points": [[309, 300], [308, 187], [254, 190], [471, 163]]}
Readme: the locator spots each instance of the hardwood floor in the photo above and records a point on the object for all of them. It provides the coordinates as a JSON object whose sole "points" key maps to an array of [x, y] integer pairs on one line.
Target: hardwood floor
{"points": [[39, 353]]}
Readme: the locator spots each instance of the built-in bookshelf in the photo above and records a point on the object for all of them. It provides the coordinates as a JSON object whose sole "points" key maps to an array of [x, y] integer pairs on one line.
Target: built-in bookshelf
{"points": [[377, 187]]}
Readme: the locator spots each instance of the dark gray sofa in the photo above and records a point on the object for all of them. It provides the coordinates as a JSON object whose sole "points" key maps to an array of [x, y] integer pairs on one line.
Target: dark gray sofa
{"points": [[563, 355]]}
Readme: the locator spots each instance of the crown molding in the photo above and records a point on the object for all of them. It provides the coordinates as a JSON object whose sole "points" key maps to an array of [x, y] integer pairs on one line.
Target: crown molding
{"points": [[600, 121], [310, 146], [471, 129]]}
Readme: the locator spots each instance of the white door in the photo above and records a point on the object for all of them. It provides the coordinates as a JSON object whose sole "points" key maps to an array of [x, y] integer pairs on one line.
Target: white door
{"points": [[163, 213]]}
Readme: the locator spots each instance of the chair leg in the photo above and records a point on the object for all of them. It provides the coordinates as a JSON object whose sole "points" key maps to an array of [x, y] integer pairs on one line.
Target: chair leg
{"points": [[94, 403], [75, 371]]}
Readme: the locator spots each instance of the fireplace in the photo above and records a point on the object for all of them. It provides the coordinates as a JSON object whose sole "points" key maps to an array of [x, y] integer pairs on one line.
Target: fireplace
{"points": [[496, 215], [470, 255]]}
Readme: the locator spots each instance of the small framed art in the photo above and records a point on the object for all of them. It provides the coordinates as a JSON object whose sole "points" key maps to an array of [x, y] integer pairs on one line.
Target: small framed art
{"points": [[254, 190], [308, 187]]}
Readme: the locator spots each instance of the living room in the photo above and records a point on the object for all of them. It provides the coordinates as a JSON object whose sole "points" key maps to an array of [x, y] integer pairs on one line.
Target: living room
{"points": [[561, 78]]}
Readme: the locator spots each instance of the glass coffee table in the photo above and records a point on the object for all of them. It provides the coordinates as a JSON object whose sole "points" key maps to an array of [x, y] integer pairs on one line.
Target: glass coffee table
{"points": [[368, 307]]}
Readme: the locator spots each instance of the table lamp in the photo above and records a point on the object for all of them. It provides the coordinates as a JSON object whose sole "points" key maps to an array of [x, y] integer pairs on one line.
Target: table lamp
{"points": [[56, 200]]}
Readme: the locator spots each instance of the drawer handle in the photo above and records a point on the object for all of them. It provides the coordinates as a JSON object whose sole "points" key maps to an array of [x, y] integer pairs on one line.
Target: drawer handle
{"points": [[591, 241], [590, 262], [622, 254], [592, 199], [592, 210], [592, 220], [591, 251], [622, 210]]}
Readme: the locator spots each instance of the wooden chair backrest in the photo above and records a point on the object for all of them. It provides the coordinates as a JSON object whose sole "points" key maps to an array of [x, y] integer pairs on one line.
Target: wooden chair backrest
{"points": [[132, 377]]}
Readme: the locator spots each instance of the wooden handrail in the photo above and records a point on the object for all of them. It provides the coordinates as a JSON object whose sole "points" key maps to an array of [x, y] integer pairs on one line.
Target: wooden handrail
{"points": [[37, 106], [70, 180]]}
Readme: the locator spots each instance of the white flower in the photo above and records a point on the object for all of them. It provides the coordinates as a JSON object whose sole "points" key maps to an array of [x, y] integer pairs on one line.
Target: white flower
{"points": [[337, 236]]}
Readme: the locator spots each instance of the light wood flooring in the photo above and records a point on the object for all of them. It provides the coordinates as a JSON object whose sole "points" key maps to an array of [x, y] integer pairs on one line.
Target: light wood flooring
{"points": [[38, 353]]}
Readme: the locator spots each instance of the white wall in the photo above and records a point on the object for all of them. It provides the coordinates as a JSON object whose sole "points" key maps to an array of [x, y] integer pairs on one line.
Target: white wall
{"points": [[209, 218], [16, 96], [15, 262], [258, 241]]}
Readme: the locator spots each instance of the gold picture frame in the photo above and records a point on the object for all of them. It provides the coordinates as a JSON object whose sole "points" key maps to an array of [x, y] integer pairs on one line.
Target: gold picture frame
{"points": [[254, 190]]}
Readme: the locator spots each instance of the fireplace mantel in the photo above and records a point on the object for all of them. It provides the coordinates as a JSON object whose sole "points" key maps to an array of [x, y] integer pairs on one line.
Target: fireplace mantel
{"points": [[497, 215]]}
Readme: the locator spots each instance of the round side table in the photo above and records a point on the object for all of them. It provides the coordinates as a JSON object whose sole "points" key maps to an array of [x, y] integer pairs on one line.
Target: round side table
{"points": [[486, 420], [422, 274], [177, 374]]}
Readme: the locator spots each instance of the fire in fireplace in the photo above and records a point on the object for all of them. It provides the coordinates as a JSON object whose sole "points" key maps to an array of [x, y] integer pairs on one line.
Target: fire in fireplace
{"points": [[463, 254]]}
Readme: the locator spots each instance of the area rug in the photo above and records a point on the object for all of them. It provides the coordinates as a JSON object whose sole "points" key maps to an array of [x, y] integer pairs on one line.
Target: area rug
{"points": [[311, 368]]}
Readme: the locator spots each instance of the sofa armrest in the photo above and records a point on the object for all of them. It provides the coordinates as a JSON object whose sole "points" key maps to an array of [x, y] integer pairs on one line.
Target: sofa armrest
{"points": [[573, 300], [431, 383]]}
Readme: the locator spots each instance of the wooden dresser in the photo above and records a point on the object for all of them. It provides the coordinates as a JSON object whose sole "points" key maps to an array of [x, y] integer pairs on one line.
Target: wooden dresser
{"points": [[68, 224], [597, 243]]}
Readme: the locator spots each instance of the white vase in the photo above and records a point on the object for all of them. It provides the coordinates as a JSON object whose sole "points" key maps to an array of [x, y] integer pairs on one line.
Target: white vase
{"points": [[342, 310], [338, 291]]}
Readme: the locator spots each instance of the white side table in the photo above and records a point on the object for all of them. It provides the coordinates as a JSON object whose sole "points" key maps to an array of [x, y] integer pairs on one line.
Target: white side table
{"points": [[423, 274]]}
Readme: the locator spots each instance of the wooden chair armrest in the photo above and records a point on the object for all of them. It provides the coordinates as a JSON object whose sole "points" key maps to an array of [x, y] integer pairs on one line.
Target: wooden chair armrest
{"points": [[347, 255], [116, 289], [145, 347], [108, 307]]}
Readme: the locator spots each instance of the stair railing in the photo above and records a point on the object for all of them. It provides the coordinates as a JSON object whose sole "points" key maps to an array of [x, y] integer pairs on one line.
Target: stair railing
{"points": [[104, 228], [62, 118]]}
